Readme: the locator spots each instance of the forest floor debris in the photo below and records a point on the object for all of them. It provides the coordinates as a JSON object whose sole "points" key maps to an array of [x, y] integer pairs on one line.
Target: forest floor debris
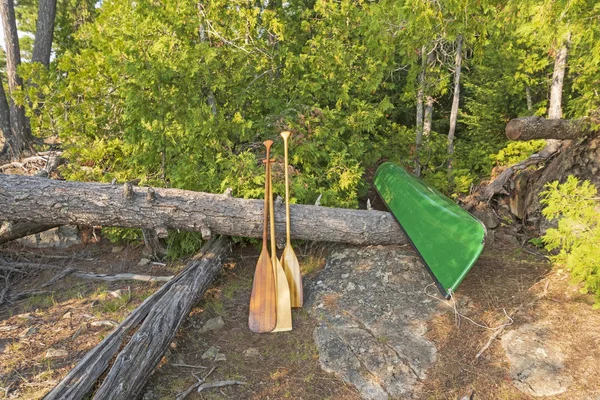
{"points": [[505, 281]]}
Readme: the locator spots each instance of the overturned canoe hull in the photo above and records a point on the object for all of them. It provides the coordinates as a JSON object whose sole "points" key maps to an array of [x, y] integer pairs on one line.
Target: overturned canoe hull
{"points": [[448, 238]]}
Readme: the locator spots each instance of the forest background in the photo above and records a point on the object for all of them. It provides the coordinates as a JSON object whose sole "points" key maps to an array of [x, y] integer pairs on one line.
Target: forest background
{"points": [[182, 94]]}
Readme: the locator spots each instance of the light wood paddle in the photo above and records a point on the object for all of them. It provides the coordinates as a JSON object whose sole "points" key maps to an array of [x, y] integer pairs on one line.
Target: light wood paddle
{"points": [[263, 301], [284, 309], [289, 261]]}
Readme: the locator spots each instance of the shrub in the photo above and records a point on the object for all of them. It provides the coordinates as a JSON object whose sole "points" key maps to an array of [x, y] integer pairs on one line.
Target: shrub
{"points": [[577, 235]]}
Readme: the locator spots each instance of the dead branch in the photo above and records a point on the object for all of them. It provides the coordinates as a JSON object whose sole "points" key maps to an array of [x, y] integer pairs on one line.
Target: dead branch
{"points": [[18, 266], [80, 379], [141, 355], [210, 385]]}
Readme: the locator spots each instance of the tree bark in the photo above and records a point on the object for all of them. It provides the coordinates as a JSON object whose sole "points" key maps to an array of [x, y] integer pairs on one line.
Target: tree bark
{"points": [[44, 32], [558, 78], [13, 60], [44, 201], [455, 98], [5, 127], [419, 119], [162, 313], [137, 360], [528, 98], [541, 128], [428, 118]]}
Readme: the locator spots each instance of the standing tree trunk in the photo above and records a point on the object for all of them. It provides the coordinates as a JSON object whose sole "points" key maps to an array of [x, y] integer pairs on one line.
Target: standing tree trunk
{"points": [[22, 136], [6, 130], [419, 125], [558, 78], [44, 32], [428, 116], [455, 99], [529, 99]]}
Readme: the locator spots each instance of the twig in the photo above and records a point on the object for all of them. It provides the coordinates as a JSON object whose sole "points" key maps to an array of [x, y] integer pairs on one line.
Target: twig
{"points": [[59, 276], [500, 329], [189, 390], [210, 385], [189, 366], [11, 269], [5, 290]]}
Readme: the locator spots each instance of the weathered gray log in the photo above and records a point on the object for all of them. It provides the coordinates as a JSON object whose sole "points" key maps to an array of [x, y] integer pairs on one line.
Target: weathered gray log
{"points": [[141, 355], [204, 266], [541, 128], [15, 230], [10, 230], [87, 275], [58, 202]]}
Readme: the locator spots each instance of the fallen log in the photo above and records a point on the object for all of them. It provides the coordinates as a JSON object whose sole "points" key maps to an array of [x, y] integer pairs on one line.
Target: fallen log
{"points": [[15, 230], [14, 266], [10, 230], [44, 201], [541, 128], [141, 355], [192, 282]]}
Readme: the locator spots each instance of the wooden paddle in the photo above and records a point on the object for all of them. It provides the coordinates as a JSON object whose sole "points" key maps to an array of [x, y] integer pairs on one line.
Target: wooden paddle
{"points": [[284, 309], [289, 261], [263, 301]]}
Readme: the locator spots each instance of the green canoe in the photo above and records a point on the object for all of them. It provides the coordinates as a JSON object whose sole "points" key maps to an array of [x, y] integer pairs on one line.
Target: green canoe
{"points": [[448, 238]]}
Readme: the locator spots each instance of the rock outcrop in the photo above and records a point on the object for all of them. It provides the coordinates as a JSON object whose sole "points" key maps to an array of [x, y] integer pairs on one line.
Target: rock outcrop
{"points": [[372, 312]]}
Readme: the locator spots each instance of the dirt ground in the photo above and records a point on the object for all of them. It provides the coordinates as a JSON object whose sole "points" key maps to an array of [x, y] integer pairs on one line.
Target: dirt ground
{"points": [[71, 315]]}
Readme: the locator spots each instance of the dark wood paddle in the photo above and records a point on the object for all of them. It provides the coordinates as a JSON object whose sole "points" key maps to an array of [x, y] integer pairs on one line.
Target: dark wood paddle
{"points": [[263, 301]]}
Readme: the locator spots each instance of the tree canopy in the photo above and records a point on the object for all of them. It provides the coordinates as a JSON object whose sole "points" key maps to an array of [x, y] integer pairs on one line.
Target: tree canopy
{"points": [[182, 94]]}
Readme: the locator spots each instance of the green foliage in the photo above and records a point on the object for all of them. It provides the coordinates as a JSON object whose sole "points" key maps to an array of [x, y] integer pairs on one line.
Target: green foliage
{"points": [[119, 235], [515, 152], [183, 244], [576, 207], [182, 94]]}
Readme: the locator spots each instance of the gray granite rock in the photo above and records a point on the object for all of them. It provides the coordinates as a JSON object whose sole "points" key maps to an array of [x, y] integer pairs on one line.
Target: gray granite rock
{"points": [[61, 237], [213, 324], [536, 361], [372, 313]]}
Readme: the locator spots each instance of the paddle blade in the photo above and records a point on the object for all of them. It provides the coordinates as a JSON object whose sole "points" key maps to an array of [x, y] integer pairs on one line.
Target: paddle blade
{"points": [[284, 309], [291, 267], [263, 301]]}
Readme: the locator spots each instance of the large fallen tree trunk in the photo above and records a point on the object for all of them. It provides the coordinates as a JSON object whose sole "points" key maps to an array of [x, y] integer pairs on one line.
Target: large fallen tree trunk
{"points": [[44, 201], [49, 161], [163, 313], [541, 128]]}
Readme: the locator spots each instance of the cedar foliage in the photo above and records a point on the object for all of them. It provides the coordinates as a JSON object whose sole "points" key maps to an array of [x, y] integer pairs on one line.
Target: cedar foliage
{"points": [[182, 94], [577, 234]]}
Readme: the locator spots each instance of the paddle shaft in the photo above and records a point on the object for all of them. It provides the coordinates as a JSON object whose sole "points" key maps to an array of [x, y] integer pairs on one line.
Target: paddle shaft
{"points": [[285, 136]]}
